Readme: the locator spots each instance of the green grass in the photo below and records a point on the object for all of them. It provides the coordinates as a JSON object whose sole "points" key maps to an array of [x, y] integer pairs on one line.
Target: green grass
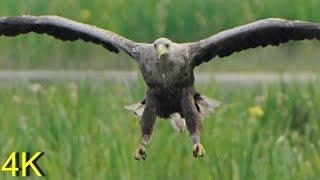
{"points": [[86, 134], [144, 21]]}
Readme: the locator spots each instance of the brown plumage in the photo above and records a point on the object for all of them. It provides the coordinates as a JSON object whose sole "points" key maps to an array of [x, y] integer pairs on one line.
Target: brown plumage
{"points": [[167, 67]]}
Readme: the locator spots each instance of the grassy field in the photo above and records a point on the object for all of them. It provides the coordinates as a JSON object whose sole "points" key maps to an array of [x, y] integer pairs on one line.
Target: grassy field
{"points": [[144, 21], [86, 134]]}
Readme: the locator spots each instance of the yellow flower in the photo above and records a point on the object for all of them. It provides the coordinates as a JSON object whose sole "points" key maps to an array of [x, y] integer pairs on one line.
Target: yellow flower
{"points": [[256, 111], [85, 15]]}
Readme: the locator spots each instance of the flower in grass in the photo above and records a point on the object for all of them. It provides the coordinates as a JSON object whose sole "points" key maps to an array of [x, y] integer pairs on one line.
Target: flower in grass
{"points": [[74, 93], [16, 99], [281, 139], [23, 122], [256, 111], [35, 88], [85, 15]]}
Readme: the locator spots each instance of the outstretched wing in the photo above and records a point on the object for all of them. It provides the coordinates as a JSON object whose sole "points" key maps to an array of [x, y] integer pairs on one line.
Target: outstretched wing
{"points": [[260, 33], [66, 30]]}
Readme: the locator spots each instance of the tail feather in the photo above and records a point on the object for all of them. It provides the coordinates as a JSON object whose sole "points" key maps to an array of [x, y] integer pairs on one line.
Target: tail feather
{"points": [[137, 108], [178, 123], [207, 105]]}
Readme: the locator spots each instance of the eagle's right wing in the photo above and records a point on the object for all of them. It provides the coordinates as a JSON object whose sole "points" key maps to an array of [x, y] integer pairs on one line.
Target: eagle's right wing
{"points": [[66, 30]]}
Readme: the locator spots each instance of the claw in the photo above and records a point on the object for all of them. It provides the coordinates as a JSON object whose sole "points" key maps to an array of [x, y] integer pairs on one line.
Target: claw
{"points": [[140, 153], [198, 150]]}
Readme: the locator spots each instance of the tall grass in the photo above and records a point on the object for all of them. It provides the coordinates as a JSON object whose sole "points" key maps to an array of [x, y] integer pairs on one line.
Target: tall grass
{"points": [[142, 21], [85, 132]]}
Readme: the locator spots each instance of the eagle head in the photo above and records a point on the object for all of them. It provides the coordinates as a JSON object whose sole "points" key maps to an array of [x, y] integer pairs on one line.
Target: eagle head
{"points": [[162, 48]]}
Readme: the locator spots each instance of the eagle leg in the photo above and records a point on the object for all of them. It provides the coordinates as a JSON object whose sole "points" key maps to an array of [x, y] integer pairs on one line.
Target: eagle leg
{"points": [[193, 120], [147, 122]]}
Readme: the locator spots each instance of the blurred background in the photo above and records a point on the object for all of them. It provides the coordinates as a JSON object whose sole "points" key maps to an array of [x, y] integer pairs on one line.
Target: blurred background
{"points": [[145, 21], [267, 127]]}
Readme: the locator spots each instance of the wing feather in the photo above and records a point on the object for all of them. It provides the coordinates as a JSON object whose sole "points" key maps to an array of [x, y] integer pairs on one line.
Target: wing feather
{"points": [[260, 33], [65, 30]]}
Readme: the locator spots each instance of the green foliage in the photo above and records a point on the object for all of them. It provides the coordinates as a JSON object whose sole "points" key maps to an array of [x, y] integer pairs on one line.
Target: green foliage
{"points": [[85, 132], [144, 21]]}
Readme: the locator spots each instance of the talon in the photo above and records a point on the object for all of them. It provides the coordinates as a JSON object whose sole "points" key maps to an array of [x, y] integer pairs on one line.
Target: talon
{"points": [[140, 153], [198, 150], [143, 155]]}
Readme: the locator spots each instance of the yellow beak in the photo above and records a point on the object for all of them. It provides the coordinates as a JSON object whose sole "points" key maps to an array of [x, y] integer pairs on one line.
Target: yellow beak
{"points": [[161, 50]]}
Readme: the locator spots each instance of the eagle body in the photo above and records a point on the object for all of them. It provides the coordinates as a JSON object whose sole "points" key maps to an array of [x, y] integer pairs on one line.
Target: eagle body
{"points": [[168, 77], [172, 71], [167, 67]]}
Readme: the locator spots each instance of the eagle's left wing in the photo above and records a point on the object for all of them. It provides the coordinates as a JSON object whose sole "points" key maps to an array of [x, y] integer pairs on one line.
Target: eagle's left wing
{"points": [[260, 33]]}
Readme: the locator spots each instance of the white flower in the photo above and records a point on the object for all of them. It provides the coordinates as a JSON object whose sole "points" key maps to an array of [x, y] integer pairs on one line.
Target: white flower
{"points": [[16, 99], [74, 93], [281, 139], [35, 88]]}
